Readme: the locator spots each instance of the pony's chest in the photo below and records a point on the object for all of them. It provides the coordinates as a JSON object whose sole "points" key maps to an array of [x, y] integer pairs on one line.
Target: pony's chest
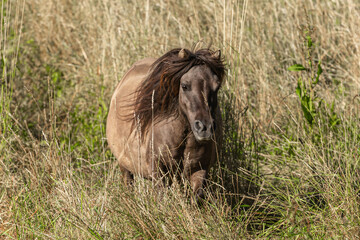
{"points": [[167, 139]]}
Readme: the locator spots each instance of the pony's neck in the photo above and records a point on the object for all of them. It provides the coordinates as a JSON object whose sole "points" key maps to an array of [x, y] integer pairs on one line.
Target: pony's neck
{"points": [[184, 122]]}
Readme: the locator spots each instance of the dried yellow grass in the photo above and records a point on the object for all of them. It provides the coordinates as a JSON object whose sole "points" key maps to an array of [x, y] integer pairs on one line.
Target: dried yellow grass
{"points": [[51, 189]]}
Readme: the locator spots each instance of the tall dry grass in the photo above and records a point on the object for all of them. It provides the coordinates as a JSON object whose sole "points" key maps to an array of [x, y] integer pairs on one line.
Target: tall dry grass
{"points": [[276, 177]]}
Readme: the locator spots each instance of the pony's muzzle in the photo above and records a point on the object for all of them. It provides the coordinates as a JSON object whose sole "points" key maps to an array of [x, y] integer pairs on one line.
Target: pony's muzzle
{"points": [[203, 131]]}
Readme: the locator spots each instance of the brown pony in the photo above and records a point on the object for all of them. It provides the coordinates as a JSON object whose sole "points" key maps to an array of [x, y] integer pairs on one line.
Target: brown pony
{"points": [[164, 116]]}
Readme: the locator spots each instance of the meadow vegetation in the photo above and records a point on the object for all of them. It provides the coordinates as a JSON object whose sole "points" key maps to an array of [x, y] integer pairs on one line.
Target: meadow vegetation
{"points": [[289, 165]]}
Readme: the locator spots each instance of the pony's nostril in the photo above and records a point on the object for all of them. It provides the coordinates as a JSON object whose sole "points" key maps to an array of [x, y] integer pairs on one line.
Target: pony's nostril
{"points": [[198, 125]]}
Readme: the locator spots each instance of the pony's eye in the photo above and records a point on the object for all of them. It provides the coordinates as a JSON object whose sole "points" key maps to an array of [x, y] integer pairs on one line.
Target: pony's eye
{"points": [[185, 87]]}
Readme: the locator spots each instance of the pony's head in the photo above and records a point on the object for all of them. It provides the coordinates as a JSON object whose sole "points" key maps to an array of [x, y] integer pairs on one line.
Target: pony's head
{"points": [[182, 82], [198, 94]]}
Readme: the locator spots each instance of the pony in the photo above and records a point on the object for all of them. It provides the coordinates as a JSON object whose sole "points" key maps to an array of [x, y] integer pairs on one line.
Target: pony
{"points": [[164, 117]]}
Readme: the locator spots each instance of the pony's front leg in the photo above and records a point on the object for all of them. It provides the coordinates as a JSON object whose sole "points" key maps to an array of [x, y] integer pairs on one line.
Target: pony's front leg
{"points": [[157, 176], [197, 181]]}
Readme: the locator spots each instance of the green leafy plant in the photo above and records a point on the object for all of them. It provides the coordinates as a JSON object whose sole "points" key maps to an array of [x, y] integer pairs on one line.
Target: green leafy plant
{"points": [[305, 87], [311, 104]]}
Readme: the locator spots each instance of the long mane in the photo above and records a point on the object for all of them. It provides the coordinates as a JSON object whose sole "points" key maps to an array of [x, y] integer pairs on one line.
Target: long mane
{"points": [[157, 96]]}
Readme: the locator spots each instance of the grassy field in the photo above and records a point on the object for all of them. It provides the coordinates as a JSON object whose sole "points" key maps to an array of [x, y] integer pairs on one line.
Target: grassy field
{"points": [[290, 164]]}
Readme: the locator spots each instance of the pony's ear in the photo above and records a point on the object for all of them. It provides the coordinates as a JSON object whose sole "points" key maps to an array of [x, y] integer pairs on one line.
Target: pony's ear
{"points": [[216, 54], [182, 53]]}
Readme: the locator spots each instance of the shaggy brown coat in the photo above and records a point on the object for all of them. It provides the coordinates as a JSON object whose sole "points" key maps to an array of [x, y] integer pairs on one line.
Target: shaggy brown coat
{"points": [[164, 117]]}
